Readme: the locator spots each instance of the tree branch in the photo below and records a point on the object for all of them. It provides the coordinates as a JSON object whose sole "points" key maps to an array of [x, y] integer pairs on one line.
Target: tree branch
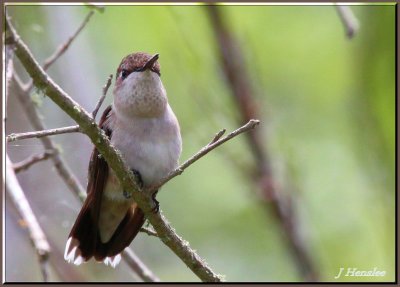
{"points": [[148, 231], [58, 131], [349, 20], [100, 102], [35, 120], [36, 233], [39, 134], [63, 47], [88, 126], [136, 264], [217, 136], [25, 164]]}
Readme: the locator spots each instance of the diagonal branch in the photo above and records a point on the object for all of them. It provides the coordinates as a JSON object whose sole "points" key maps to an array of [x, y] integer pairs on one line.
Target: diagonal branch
{"points": [[349, 20], [63, 47], [27, 163], [36, 233], [88, 126], [136, 264]]}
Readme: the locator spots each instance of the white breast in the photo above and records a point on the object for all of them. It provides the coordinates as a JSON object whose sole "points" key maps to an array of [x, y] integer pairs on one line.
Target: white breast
{"points": [[151, 146]]}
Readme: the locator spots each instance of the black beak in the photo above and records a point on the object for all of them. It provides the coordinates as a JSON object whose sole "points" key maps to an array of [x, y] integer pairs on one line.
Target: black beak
{"points": [[150, 63]]}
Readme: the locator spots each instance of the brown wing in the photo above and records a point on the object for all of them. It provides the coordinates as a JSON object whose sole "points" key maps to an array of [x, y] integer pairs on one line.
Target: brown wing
{"points": [[85, 233]]}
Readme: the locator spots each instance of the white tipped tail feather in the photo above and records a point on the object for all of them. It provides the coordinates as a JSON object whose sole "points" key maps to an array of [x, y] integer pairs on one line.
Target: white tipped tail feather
{"points": [[72, 254], [112, 261]]}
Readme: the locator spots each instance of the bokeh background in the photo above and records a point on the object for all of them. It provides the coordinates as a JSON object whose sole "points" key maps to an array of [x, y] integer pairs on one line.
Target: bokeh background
{"points": [[327, 110]]}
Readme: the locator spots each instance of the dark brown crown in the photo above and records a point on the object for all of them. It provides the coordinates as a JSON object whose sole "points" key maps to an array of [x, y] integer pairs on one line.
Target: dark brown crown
{"points": [[136, 61]]}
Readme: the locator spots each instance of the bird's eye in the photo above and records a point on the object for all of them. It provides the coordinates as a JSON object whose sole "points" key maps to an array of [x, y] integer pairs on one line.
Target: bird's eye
{"points": [[124, 74]]}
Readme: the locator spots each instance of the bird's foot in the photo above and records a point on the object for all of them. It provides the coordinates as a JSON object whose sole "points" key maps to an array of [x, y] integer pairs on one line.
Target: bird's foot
{"points": [[138, 177], [156, 208], [126, 194], [139, 181]]}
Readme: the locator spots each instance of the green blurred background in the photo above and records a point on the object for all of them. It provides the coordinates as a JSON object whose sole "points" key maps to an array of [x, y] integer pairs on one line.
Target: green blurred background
{"points": [[327, 108]]}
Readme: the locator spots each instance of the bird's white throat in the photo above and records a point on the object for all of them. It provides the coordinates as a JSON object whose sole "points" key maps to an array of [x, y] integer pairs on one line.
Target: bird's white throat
{"points": [[141, 94]]}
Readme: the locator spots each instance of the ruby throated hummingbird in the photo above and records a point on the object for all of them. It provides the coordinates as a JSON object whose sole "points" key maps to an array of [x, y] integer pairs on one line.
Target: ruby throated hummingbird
{"points": [[142, 126]]}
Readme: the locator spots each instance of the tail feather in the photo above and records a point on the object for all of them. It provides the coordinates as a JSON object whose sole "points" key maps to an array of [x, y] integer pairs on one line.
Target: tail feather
{"points": [[123, 235], [84, 240], [112, 261]]}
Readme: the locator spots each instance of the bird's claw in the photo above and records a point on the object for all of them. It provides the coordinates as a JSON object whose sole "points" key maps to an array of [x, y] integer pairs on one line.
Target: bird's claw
{"points": [[138, 178], [156, 208], [126, 194], [139, 181]]}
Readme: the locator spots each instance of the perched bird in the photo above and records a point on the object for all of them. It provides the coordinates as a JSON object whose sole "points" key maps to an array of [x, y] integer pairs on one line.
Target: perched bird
{"points": [[142, 126]]}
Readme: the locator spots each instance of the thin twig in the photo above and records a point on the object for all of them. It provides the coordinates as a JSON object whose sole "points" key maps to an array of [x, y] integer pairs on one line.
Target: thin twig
{"points": [[137, 265], [36, 233], [99, 8], [25, 164], [39, 134], [217, 136], [165, 232], [349, 20], [205, 150], [239, 82], [100, 102], [63, 47], [148, 231]]}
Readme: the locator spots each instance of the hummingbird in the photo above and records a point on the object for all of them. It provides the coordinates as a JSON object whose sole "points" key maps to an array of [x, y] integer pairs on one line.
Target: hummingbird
{"points": [[142, 126]]}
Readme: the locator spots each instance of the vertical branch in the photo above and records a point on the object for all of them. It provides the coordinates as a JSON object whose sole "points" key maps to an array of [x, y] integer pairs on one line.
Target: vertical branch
{"points": [[238, 81], [349, 20], [36, 233]]}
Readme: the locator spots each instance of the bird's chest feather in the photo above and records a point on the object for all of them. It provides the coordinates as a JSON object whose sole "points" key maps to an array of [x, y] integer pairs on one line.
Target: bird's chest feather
{"points": [[152, 147]]}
